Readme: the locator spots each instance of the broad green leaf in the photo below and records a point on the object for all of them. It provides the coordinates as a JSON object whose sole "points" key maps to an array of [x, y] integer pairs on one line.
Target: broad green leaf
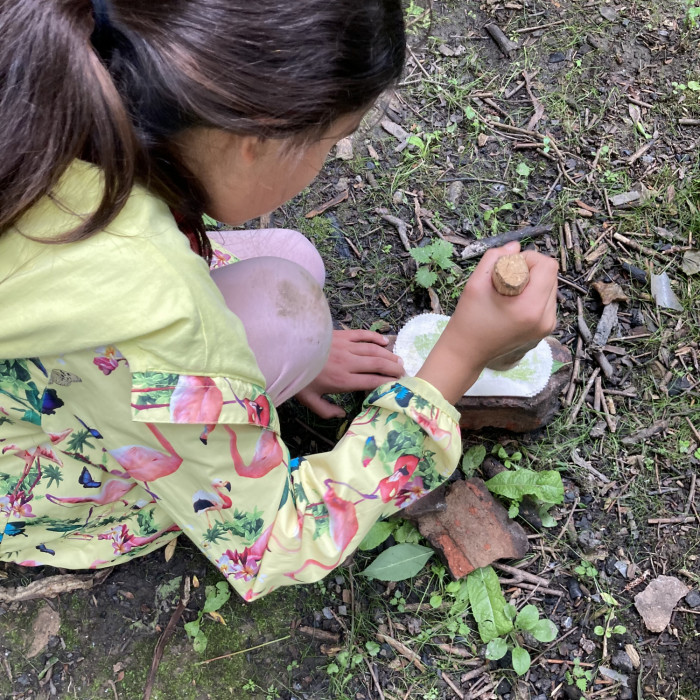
{"points": [[372, 648], [407, 532], [598, 630], [521, 660], [435, 601], [527, 618], [442, 253], [510, 611], [545, 516], [200, 642], [422, 255], [472, 459], [398, 563], [216, 597], [619, 629], [544, 631], [192, 628], [546, 485], [379, 533], [513, 510], [487, 603], [496, 649], [426, 277]]}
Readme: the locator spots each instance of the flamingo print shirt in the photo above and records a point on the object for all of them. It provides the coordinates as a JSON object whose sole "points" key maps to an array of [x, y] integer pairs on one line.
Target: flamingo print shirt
{"points": [[132, 411]]}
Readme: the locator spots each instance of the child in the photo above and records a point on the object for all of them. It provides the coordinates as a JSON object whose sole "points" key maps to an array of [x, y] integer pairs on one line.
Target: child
{"points": [[138, 393]]}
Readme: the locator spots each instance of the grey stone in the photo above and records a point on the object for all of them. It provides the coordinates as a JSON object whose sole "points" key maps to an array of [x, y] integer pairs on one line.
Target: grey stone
{"points": [[557, 57], [656, 602], [622, 661], [693, 599], [621, 566]]}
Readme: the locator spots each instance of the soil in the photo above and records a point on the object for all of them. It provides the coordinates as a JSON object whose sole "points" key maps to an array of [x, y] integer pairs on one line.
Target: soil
{"points": [[612, 78]]}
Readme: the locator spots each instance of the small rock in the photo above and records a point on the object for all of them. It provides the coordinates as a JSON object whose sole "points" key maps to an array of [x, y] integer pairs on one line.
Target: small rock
{"points": [[571, 692], [557, 57], [621, 566], [574, 589], [567, 623], [327, 613], [622, 662], [693, 599], [626, 694], [445, 50], [342, 610], [656, 602], [344, 149], [589, 541], [609, 13], [454, 192]]}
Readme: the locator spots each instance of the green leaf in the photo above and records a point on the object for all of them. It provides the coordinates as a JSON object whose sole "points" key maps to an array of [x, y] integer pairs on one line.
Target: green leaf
{"points": [[487, 603], [398, 563], [598, 630], [607, 598], [372, 648], [521, 660], [545, 517], [422, 255], [619, 629], [216, 597], [556, 366], [496, 649], [544, 631], [200, 642], [513, 510], [694, 85], [407, 533], [546, 486], [523, 170], [425, 277], [510, 611], [332, 669], [527, 618], [472, 459], [209, 222], [435, 601], [379, 533], [192, 628], [442, 253]]}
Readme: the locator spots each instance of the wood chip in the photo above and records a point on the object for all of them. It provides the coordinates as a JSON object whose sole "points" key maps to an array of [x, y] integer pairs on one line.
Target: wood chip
{"points": [[49, 587]]}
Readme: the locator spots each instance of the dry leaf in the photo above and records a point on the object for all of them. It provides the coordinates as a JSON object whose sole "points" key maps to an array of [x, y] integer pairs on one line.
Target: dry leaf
{"points": [[47, 624], [170, 549], [195, 581], [609, 292], [691, 262], [216, 616]]}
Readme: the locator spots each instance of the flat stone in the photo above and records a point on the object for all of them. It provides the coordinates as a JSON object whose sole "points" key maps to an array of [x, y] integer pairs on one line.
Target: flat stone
{"points": [[557, 57], [692, 600], [519, 414], [656, 602], [468, 527], [344, 149], [622, 662]]}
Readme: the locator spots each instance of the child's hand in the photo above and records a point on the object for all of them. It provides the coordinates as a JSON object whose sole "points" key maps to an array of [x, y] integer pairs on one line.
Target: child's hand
{"points": [[358, 361], [486, 325]]}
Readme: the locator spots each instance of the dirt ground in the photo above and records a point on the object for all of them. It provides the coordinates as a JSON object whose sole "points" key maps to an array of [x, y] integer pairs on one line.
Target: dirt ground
{"points": [[591, 124]]}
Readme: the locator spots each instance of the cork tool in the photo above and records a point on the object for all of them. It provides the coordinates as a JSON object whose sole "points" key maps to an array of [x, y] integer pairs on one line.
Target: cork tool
{"points": [[510, 276]]}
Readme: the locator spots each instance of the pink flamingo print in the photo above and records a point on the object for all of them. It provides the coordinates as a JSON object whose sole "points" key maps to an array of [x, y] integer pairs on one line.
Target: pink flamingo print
{"points": [[430, 426], [197, 400], [268, 455], [147, 464], [342, 516], [123, 541], [205, 502], [246, 563], [403, 471], [112, 490], [30, 458]]}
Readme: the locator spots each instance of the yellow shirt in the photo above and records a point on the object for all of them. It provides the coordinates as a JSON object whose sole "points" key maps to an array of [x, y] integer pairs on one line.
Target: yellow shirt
{"points": [[132, 409]]}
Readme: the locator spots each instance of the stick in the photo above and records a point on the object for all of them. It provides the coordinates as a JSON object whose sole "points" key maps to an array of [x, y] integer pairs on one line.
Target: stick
{"points": [[455, 689], [474, 250], [520, 575], [502, 41], [672, 521], [691, 495], [582, 398], [403, 650], [401, 226], [375, 679], [165, 637]]}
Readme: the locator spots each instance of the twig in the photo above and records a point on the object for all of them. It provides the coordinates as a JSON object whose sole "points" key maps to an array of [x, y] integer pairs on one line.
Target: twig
{"points": [[526, 30], [672, 521], [475, 673], [582, 398], [520, 575], [502, 41], [244, 651], [373, 673], [478, 248], [566, 524], [402, 649], [694, 429], [165, 637], [51, 586], [400, 225], [455, 689]]}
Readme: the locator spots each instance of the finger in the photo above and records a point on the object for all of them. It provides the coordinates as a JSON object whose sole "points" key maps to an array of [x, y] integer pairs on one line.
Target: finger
{"points": [[376, 365], [372, 350], [363, 336], [320, 406]]}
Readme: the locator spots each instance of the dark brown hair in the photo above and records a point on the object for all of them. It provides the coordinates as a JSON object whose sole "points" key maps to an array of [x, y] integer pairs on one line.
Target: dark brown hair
{"points": [[117, 93]]}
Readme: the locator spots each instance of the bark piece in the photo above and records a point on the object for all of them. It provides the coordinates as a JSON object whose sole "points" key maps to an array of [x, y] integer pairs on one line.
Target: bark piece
{"points": [[47, 624], [472, 529], [510, 275], [656, 602], [519, 414]]}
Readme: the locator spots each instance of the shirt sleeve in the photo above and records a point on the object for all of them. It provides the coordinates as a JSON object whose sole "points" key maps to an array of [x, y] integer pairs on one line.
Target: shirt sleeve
{"points": [[219, 468]]}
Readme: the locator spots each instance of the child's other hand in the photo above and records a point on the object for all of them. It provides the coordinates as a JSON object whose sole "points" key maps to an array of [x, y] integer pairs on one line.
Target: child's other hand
{"points": [[358, 361], [486, 325]]}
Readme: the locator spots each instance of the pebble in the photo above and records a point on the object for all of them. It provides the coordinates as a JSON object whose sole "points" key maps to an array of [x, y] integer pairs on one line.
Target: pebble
{"points": [[557, 57], [622, 662], [567, 623], [622, 566], [327, 613], [589, 541], [574, 589], [693, 599]]}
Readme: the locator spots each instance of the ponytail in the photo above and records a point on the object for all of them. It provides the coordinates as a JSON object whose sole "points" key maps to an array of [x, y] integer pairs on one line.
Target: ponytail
{"points": [[58, 103]]}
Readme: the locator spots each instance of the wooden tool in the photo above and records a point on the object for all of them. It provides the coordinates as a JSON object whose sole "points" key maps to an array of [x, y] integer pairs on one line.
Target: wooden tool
{"points": [[510, 276]]}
